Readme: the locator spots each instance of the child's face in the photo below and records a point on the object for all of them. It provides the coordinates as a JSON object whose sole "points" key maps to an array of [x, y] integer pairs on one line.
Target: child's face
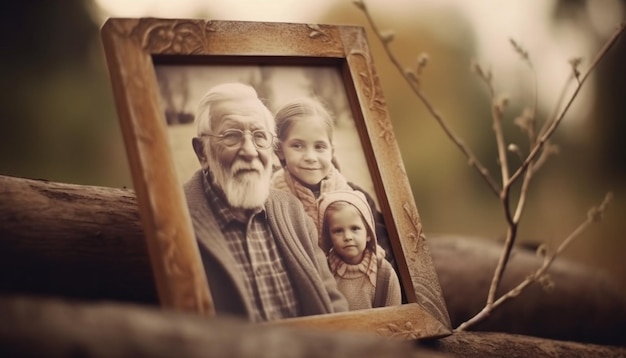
{"points": [[307, 151], [348, 234]]}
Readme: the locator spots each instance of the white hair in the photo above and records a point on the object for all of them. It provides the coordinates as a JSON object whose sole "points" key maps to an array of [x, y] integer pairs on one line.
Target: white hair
{"points": [[208, 110]]}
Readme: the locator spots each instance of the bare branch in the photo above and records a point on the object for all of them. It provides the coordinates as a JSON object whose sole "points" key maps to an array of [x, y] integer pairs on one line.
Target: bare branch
{"points": [[539, 151], [527, 170], [497, 110], [553, 116], [594, 215], [486, 76]]}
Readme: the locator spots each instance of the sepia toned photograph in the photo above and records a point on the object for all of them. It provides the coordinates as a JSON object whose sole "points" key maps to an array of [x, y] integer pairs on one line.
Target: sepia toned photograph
{"points": [[269, 181], [317, 152]]}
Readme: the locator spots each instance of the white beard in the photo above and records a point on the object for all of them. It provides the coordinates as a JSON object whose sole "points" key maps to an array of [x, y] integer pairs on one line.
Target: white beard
{"points": [[243, 190]]}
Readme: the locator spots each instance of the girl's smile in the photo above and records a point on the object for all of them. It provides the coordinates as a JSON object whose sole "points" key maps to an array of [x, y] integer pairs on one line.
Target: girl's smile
{"points": [[307, 151]]}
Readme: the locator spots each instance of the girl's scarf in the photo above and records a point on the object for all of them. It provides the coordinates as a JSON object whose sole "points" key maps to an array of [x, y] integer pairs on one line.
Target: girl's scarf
{"points": [[283, 180], [368, 266]]}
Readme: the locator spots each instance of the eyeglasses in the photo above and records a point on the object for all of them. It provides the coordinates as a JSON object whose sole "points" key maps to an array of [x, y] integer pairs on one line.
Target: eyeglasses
{"points": [[261, 139]]}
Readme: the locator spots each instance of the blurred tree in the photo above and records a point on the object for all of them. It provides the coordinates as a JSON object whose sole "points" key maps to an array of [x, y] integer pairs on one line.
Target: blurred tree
{"points": [[606, 126], [57, 110]]}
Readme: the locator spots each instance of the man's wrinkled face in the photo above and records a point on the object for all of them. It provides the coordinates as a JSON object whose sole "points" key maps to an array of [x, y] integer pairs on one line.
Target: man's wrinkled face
{"points": [[242, 170]]}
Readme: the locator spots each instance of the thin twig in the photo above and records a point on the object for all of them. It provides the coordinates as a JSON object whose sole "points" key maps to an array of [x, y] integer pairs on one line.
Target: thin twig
{"points": [[512, 220], [553, 116], [594, 215], [521, 202], [497, 110]]}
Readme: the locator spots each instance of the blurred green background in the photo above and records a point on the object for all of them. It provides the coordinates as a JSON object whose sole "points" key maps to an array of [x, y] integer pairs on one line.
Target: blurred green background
{"points": [[59, 122]]}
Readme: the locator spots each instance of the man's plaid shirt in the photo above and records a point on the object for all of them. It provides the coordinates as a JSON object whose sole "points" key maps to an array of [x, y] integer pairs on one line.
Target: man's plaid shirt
{"points": [[257, 257]]}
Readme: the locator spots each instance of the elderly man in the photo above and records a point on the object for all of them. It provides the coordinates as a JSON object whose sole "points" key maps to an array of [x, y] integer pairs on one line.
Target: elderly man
{"points": [[258, 246]]}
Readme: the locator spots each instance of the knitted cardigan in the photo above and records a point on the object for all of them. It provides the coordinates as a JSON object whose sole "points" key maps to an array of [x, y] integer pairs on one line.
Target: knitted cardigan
{"points": [[283, 180], [296, 239]]}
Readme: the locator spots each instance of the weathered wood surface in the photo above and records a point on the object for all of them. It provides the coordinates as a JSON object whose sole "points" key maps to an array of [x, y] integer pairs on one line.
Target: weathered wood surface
{"points": [[45, 327], [72, 240], [496, 344], [59, 329], [82, 242]]}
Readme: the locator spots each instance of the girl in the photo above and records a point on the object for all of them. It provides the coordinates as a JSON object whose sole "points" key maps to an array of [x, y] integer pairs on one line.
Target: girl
{"points": [[357, 262], [304, 131]]}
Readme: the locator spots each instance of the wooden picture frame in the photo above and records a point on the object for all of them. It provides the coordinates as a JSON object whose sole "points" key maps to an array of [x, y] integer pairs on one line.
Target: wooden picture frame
{"points": [[133, 46]]}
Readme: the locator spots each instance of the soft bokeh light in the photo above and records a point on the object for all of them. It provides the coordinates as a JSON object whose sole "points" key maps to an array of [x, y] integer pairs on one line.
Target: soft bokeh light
{"points": [[241, 10], [72, 134], [493, 22]]}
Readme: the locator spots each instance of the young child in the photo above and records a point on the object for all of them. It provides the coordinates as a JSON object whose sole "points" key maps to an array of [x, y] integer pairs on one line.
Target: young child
{"points": [[305, 148], [357, 262], [304, 130]]}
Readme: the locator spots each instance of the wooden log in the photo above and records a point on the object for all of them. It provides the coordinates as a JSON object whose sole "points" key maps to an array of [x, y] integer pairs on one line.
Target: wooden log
{"points": [[497, 344], [583, 304], [72, 241], [45, 327], [53, 328]]}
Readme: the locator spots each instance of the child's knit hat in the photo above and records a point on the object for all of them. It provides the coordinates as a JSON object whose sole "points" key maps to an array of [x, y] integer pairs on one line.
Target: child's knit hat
{"points": [[356, 199]]}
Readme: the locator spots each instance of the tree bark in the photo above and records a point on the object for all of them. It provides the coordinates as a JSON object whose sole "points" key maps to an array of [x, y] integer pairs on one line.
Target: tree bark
{"points": [[73, 241]]}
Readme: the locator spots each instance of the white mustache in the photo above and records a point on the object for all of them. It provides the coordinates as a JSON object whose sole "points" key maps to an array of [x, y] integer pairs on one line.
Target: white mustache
{"points": [[239, 166]]}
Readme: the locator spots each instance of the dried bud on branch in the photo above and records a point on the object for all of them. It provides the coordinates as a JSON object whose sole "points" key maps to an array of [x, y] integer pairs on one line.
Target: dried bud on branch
{"points": [[595, 214], [514, 148], [525, 120], [410, 74], [387, 36], [484, 74], [575, 62], [422, 61], [360, 4], [501, 103], [546, 282], [520, 50], [542, 250]]}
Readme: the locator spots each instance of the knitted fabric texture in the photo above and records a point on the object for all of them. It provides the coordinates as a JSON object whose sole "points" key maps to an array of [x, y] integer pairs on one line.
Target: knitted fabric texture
{"points": [[368, 267], [283, 180], [356, 286]]}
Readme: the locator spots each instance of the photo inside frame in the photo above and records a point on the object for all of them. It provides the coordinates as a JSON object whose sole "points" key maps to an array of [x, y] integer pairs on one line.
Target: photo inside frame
{"points": [[181, 88]]}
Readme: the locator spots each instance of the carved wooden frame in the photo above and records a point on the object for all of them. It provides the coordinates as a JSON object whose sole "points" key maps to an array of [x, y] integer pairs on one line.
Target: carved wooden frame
{"points": [[131, 45]]}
